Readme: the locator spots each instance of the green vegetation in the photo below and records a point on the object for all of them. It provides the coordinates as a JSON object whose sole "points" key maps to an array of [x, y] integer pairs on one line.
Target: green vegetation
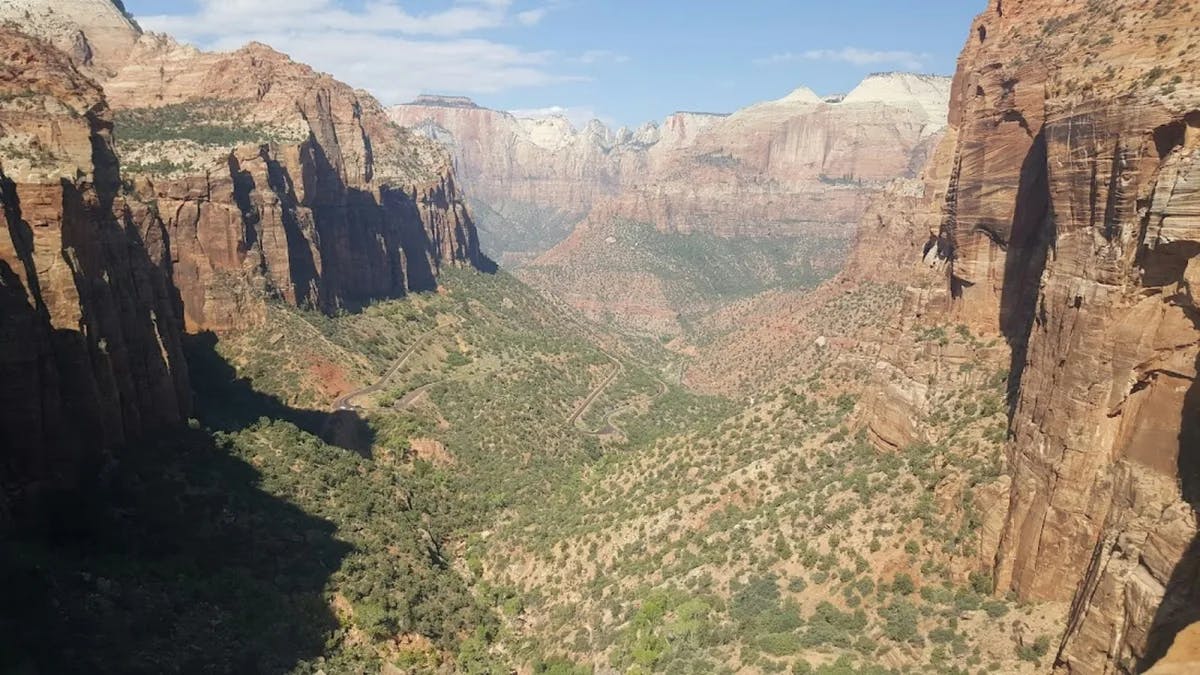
{"points": [[461, 523], [222, 552], [707, 267], [511, 231], [684, 276], [847, 180], [202, 121], [162, 167]]}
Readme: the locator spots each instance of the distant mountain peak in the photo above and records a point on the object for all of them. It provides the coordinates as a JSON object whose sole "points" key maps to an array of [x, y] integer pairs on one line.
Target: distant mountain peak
{"points": [[930, 92], [886, 87], [801, 95]]}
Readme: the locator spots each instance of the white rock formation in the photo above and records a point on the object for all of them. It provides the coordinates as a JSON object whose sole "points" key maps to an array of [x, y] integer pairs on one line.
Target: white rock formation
{"points": [[929, 92], [96, 33], [797, 158]]}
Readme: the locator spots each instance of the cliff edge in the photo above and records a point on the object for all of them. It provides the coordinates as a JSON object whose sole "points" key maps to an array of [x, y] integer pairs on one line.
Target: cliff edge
{"points": [[1062, 214]]}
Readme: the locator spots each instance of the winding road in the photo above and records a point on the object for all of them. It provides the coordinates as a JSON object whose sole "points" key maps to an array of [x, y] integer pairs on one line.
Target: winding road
{"points": [[591, 398], [346, 401], [610, 427], [412, 396]]}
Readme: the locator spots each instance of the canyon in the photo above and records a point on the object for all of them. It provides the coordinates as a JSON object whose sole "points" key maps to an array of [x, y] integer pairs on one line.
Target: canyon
{"points": [[901, 379], [801, 167], [731, 174], [284, 184], [1054, 220]]}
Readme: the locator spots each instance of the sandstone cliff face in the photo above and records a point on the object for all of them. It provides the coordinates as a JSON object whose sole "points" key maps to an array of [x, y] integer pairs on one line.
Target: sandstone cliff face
{"points": [[1069, 227], [251, 176], [322, 201], [781, 164], [98, 35], [533, 179], [734, 204], [90, 352]]}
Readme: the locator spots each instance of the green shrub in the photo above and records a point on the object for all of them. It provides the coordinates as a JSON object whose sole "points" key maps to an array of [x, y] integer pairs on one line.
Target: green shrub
{"points": [[778, 644], [900, 622], [1033, 652], [995, 608]]}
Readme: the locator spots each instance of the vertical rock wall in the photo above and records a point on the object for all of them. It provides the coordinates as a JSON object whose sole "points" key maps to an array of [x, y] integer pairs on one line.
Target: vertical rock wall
{"points": [[1063, 215], [90, 353], [1071, 227], [325, 203]]}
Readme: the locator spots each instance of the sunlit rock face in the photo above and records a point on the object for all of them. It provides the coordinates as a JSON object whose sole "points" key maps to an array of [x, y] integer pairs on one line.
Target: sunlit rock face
{"points": [[1062, 214], [97, 35], [255, 177], [800, 159], [323, 201]]}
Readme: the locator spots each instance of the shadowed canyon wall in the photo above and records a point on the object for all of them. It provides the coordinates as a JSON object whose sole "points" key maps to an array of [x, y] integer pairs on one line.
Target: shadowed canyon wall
{"points": [[90, 348], [243, 178]]}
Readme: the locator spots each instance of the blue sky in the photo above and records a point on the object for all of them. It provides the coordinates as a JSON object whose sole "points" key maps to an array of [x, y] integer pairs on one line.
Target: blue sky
{"points": [[624, 61]]}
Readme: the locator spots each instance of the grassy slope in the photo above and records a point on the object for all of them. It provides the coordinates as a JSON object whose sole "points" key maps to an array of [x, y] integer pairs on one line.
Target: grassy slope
{"points": [[477, 530], [646, 548], [773, 538], [653, 282]]}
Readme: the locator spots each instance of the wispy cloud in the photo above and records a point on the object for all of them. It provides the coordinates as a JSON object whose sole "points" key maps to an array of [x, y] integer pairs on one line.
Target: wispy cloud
{"points": [[394, 53], [531, 17], [854, 55], [594, 56], [214, 18]]}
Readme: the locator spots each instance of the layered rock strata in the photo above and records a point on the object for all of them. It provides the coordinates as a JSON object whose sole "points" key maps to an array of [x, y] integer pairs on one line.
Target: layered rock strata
{"points": [[98, 35], [322, 201], [1069, 226], [269, 179], [90, 354], [775, 167]]}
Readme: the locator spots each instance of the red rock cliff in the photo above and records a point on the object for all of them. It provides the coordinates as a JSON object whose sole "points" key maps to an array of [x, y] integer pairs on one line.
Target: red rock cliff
{"points": [[258, 177], [1070, 224], [90, 351], [280, 182]]}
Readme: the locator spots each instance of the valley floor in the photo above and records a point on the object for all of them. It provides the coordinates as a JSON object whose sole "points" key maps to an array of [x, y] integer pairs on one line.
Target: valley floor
{"points": [[478, 480]]}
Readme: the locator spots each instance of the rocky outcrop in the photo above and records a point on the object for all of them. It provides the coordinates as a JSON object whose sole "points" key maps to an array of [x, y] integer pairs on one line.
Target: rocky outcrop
{"points": [[322, 201], [90, 354], [254, 177], [668, 223], [98, 35], [904, 90], [532, 179], [1069, 227], [777, 166], [538, 161]]}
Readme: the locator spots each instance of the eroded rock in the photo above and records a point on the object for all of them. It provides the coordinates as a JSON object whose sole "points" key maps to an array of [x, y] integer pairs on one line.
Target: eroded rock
{"points": [[90, 348]]}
